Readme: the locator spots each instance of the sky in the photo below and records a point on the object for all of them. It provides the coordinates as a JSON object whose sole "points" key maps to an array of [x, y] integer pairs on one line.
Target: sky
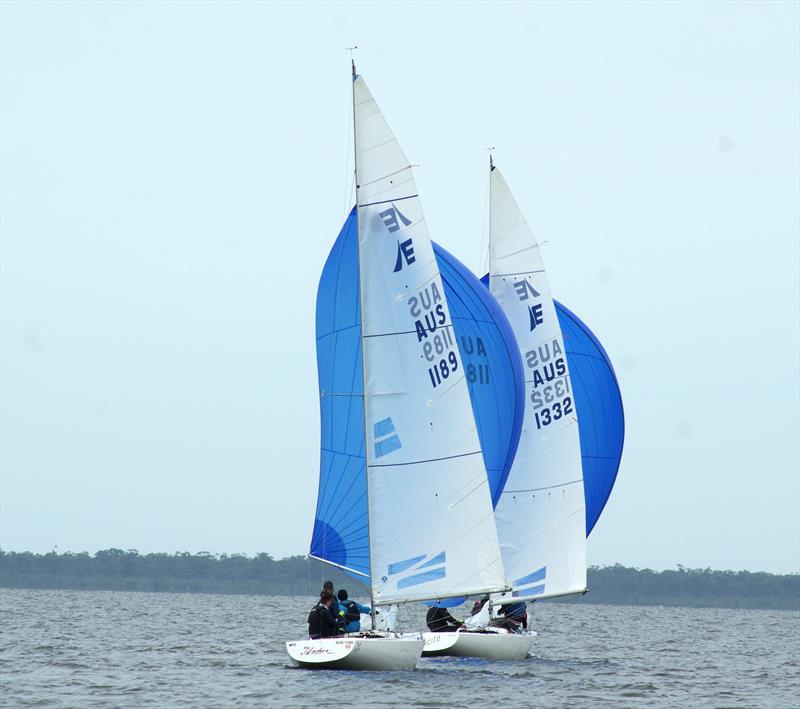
{"points": [[173, 176]]}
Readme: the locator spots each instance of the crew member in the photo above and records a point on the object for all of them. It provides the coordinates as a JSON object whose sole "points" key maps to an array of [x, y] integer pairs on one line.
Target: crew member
{"points": [[439, 620], [320, 621], [336, 611], [352, 612]]}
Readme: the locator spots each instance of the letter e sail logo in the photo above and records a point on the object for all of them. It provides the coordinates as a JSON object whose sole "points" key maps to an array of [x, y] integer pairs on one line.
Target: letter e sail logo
{"points": [[392, 218], [536, 315]]}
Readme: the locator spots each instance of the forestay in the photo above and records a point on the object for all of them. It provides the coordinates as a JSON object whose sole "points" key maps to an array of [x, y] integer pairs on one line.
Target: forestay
{"points": [[432, 531], [541, 514]]}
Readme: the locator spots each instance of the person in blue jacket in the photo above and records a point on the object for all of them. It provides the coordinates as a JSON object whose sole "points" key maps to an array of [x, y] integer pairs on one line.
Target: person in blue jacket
{"points": [[352, 612]]}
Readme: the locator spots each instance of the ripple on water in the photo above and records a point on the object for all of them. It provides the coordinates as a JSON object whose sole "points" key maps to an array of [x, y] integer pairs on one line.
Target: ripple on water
{"points": [[78, 648]]}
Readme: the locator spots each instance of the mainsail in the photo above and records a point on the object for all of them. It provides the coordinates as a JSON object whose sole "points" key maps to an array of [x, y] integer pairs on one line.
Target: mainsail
{"points": [[494, 375], [541, 514], [601, 423], [431, 529]]}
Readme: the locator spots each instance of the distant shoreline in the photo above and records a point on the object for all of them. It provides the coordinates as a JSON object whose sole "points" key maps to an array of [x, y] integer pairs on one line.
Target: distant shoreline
{"points": [[118, 570]]}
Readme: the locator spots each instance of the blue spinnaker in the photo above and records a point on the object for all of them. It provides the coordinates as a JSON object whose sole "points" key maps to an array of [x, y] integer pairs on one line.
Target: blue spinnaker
{"points": [[601, 419], [341, 531], [495, 379]]}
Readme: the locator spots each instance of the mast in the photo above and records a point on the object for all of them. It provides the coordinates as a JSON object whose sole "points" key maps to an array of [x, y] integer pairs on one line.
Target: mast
{"points": [[489, 258], [363, 353]]}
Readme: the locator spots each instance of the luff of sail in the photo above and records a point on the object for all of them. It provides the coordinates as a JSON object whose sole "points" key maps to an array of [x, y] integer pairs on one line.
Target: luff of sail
{"points": [[541, 514], [431, 527]]}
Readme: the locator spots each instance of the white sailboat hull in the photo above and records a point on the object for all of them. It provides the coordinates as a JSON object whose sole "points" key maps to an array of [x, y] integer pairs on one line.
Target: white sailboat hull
{"points": [[490, 644], [376, 652]]}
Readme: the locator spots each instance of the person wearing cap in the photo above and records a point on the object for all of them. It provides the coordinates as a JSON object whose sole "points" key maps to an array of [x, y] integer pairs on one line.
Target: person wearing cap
{"points": [[336, 611], [352, 612]]}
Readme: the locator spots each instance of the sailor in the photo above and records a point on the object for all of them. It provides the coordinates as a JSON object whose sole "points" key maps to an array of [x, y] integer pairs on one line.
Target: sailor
{"points": [[477, 607], [320, 621], [515, 614], [336, 611], [352, 612], [439, 620]]}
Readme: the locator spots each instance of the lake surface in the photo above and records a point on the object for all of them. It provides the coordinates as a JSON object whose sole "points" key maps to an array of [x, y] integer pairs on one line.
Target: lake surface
{"points": [[113, 649]]}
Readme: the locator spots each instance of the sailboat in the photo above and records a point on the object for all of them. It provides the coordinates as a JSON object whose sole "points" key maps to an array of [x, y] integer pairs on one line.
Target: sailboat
{"points": [[541, 516], [404, 499]]}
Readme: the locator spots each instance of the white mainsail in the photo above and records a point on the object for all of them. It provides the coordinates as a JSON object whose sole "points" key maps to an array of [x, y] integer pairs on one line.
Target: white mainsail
{"points": [[541, 514], [432, 531]]}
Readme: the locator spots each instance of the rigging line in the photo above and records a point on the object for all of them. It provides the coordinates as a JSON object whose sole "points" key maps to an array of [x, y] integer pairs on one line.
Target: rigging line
{"points": [[429, 460], [484, 256]]}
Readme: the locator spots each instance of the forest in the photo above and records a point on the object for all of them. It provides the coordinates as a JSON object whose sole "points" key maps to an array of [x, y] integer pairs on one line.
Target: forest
{"points": [[182, 572]]}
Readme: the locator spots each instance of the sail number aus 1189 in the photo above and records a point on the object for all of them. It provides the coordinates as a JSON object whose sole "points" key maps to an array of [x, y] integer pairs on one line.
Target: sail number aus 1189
{"points": [[439, 372]]}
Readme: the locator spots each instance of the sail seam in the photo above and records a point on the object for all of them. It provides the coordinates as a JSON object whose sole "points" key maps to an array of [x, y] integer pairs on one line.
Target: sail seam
{"points": [[403, 332], [549, 487], [518, 273], [387, 201], [429, 460]]}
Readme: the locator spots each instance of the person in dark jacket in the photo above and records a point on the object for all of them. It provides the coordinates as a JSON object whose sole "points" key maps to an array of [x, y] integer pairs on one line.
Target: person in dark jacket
{"points": [[336, 611], [439, 620], [514, 615], [320, 621]]}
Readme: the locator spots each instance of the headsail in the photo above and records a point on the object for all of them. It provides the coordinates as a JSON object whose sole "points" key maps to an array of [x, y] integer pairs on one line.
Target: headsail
{"points": [[541, 514], [432, 531]]}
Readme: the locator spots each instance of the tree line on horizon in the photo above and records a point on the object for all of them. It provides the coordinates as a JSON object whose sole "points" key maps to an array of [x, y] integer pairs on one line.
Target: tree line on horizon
{"points": [[182, 572]]}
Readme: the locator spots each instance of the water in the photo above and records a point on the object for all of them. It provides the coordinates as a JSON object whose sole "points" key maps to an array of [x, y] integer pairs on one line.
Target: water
{"points": [[110, 649]]}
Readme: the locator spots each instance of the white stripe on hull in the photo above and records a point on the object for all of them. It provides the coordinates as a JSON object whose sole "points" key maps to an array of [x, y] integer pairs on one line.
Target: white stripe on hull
{"points": [[357, 653], [489, 644]]}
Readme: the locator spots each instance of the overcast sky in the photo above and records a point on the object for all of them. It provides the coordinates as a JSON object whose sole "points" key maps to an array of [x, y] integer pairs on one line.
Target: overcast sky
{"points": [[173, 176]]}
